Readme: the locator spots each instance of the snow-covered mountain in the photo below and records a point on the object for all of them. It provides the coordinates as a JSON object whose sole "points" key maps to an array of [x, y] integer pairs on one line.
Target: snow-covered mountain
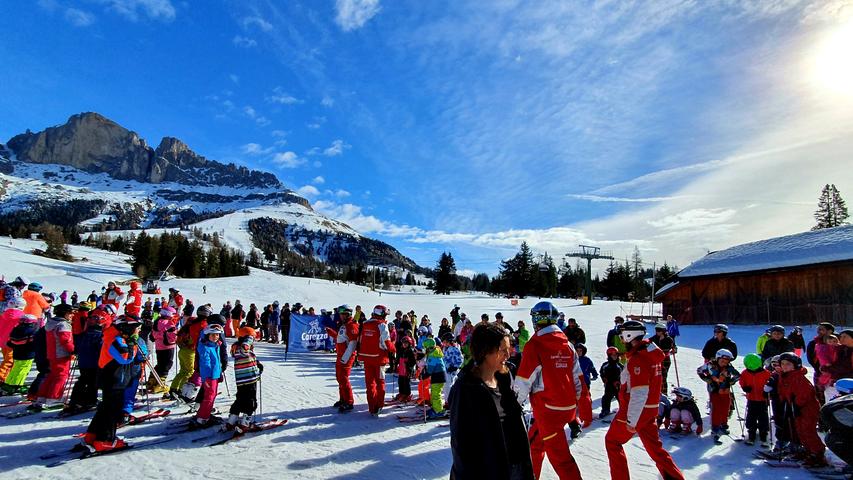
{"points": [[95, 174]]}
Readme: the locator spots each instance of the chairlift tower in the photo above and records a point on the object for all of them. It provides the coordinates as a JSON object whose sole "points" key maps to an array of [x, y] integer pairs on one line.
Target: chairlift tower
{"points": [[590, 254]]}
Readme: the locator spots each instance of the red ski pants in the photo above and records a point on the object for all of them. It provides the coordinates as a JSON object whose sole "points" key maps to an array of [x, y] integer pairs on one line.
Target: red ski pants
{"points": [[211, 387], [547, 435], [647, 429], [721, 402], [585, 407], [342, 373], [806, 425], [53, 385], [374, 382]]}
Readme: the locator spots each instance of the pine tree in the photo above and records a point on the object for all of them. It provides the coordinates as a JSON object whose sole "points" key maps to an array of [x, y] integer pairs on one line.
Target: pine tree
{"points": [[445, 277], [831, 208]]}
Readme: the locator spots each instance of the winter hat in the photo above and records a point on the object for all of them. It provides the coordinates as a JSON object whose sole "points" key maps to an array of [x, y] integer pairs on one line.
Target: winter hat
{"points": [[752, 362], [428, 343], [19, 282], [579, 347], [827, 326], [17, 303], [792, 358], [612, 351], [110, 309], [246, 332], [126, 324], [846, 331]]}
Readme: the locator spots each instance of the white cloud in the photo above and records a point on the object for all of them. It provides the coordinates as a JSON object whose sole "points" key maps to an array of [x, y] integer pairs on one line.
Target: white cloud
{"points": [[250, 111], [336, 148], [78, 17], [255, 149], [316, 123], [262, 121], [287, 160], [341, 193], [244, 42], [318, 180], [130, 9], [234, 78], [279, 133], [327, 101], [353, 14], [308, 191], [280, 96], [600, 198], [256, 21]]}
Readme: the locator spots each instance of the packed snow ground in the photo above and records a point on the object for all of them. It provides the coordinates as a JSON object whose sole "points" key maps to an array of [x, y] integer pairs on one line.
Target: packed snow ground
{"points": [[318, 442]]}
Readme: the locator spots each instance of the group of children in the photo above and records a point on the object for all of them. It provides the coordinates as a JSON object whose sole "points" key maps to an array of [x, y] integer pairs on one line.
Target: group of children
{"points": [[434, 364]]}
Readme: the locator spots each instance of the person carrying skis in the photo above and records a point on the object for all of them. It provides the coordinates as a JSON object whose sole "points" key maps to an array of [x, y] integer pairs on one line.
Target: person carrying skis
{"points": [[247, 374], [611, 376], [639, 398], [375, 345], [21, 340], [798, 394], [60, 352], [683, 412], [118, 352], [210, 371], [551, 377], [346, 342], [720, 375], [752, 381], [720, 341]]}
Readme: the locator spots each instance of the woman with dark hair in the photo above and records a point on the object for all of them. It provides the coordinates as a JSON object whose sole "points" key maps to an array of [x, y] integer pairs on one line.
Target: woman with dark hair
{"points": [[487, 432]]}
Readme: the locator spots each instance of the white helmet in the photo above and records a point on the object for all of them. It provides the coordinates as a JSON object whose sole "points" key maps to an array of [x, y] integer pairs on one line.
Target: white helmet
{"points": [[723, 353], [631, 330]]}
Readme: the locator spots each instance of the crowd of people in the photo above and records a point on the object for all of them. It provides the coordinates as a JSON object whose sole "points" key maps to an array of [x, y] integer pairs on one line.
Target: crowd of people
{"points": [[479, 376]]}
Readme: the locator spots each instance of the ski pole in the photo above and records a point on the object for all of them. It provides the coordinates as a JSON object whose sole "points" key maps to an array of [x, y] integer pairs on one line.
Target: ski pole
{"points": [[739, 418], [227, 390], [675, 362], [69, 382], [770, 422], [261, 395]]}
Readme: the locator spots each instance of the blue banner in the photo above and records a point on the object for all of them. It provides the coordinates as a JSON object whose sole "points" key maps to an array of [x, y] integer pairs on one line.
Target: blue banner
{"points": [[308, 333]]}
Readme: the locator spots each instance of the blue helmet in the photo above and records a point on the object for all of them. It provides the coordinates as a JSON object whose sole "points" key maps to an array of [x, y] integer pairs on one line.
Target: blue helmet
{"points": [[35, 286], [544, 313], [844, 386]]}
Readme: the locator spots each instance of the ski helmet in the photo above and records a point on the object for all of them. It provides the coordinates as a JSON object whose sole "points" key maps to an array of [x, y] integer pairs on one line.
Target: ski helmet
{"points": [[380, 311], [683, 392], [774, 360], [776, 328], [721, 327], [844, 386], [798, 329], [167, 312], [212, 329], [612, 351], [62, 310], [35, 286], [126, 324], [19, 282], [790, 357], [631, 330], [18, 303], [428, 343], [246, 332], [660, 326], [216, 319], [134, 285], [344, 309], [724, 353], [110, 309], [544, 313], [84, 306], [752, 362], [203, 311]]}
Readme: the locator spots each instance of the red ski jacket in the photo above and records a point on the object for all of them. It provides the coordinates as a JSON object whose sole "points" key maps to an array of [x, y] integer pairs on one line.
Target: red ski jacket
{"points": [[753, 384], [375, 342], [549, 371], [641, 382]]}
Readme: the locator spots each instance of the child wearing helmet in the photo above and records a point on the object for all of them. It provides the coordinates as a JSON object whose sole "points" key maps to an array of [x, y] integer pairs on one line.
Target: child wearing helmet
{"points": [[209, 370], [684, 412], [22, 343], [36, 303], [585, 401], [797, 391], [405, 366], [437, 372], [8, 321], [165, 333], [720, 375], [752, 381], [611, 374], [452, 360], [247, 374]]}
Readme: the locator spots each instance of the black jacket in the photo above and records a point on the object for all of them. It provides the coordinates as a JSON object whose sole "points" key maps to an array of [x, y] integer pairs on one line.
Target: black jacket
{"points": [[476, 435], [776, 347], [575, 335], [713, 345]]}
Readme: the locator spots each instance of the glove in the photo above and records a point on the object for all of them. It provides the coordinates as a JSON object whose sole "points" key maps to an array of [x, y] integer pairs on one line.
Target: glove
{"points": [[746, 389], [698, 430], [132, 340]]}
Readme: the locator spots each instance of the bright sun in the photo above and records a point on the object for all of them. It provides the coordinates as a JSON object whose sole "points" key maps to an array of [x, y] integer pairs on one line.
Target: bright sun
{"points": [[833, 62]]}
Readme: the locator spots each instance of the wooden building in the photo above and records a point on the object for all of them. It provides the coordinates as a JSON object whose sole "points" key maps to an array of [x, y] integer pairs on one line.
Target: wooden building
{"points": [[799, 279]]}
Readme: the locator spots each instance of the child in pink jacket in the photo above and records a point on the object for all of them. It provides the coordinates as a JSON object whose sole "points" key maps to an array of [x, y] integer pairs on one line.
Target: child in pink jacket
{"points": [[165, 333]]}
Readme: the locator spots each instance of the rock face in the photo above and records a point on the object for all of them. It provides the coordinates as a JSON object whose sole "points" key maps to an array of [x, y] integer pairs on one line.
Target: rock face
{"points": [[94, 143]]}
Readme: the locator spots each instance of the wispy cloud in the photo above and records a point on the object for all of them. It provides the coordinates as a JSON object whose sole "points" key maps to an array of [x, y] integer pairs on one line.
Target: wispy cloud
{"points": [[288, 160], [79, 18], [133, 9], [318, 180], [281, 97], [244, 42], [308, 191], [336, 148], [257, 22], [234, 78], [599, 198], [327, 101], [316, 123], [256, 149], [353, 14]]}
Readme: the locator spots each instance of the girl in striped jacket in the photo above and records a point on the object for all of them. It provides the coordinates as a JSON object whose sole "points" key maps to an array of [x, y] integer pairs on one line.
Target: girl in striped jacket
{"points": [[247, 371]]}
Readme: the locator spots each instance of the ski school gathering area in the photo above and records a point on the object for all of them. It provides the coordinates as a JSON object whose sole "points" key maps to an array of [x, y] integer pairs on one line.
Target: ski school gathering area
{"points": [[410, 385]]}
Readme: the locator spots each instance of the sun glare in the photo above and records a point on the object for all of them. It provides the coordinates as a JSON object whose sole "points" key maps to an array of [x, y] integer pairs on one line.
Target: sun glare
{"points": [[833, 62]]}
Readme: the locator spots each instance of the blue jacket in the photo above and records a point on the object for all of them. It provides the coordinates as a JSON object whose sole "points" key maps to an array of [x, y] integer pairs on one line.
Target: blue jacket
{"points": [[209, 365], [453, 358], [588, 369], [87, 345], [435, 368]]}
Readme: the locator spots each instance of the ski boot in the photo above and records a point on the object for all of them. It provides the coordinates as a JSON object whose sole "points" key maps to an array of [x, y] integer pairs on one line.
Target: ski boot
{"points": [[675, 427], [338, 404], [99, 446], [432, 414], [345, 407], [575, 428]]}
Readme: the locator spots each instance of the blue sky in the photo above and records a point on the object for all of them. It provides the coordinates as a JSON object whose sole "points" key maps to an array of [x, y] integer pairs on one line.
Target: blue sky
{"points": [[677, 126]]}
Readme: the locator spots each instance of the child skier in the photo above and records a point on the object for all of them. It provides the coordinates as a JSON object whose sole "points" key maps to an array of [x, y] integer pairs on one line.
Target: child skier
{"points": [[780, 419], [683, 412], [165, 333], [59, 347], [611, 376], [799, 394], [87, 345], [8, 321], [720, 376], [752, 382], [437, 375], [452, 360], [247, 372], [209, 369], [21, 341], [585, 401], [405, 368]]}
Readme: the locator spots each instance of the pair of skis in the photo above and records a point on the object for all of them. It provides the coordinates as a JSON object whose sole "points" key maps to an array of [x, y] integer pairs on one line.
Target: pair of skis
{"points": [[222, 437]]}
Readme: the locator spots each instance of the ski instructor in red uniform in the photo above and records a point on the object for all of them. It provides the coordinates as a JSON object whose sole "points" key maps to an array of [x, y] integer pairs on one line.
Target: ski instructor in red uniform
{"points": [[638, 405], [375, 346], [550, 374], [346, 342]]}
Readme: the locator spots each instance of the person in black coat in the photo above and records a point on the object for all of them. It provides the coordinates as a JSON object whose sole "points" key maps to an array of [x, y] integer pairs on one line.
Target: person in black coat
{"points": [[718, 341], [776, 344], [574, 332], [488, 437]]}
